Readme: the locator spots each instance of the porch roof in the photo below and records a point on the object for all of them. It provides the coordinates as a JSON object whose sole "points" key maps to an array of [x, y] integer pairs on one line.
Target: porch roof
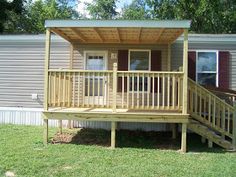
{"points": [[118, 31]]}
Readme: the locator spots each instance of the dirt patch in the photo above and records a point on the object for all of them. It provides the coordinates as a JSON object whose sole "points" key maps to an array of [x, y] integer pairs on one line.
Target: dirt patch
{"points": [[124, 138]]}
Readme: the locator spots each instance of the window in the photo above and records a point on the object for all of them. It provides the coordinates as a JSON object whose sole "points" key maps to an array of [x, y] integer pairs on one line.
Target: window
{"points": [[139, 60], [207, 68]]}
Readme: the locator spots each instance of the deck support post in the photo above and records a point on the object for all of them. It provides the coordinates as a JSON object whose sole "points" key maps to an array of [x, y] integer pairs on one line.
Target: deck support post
{"points": [[69, 125], [203, 140], [174, 130], [169, 58], [185, 70], [113, 135], [184, 138], [46, 67], [210, 144], [45, 131]]}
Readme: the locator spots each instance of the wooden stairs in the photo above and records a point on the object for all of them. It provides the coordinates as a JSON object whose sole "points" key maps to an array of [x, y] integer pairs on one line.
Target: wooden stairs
{"points": [[211, 117]]}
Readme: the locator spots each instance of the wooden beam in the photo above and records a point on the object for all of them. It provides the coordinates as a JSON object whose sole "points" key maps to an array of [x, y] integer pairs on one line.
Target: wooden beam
{"points": [[60, 33], [184, 138], [71, 87], [118, 34], [113, 135], [139, 34], [46, 67], [45, 131], [118, 117], [176, 36], [185, 70], [78, 33], [160, 33], [98, 34]]}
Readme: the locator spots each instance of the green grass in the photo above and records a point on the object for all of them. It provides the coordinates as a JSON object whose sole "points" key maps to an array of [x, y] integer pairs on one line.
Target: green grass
{"points": [[22, 152]]}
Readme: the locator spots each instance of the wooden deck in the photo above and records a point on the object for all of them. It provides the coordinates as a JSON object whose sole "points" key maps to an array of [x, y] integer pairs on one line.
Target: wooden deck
{"points": [[121, 115]]}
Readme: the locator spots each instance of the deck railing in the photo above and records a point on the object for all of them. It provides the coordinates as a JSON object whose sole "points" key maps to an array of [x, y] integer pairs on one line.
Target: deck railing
{"points": [[146, 90], [211, 110]]}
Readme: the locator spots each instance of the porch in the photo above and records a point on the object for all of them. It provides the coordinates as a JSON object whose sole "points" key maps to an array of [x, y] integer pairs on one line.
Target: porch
{"points": [[118, 93]]}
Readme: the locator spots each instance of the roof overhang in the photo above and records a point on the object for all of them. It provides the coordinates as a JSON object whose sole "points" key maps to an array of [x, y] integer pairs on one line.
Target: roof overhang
{"points": [[118, 31]]}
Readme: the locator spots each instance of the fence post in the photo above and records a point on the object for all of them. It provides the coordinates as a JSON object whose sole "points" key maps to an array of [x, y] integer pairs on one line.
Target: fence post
{"points": [[114, 89], [234, 127]]}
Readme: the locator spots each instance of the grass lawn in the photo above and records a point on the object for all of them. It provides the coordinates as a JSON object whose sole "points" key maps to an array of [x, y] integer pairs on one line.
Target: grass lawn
{"points": [[22, 152]]}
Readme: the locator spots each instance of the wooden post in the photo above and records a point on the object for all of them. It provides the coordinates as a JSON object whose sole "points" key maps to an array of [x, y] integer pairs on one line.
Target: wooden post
{"points": [[45, 131], [203, 140], [113, 134], [46, 67], [69, 125], [114, 87], [185, 70], [234, 127], [184, 137], [210, 144], [174, 131]]}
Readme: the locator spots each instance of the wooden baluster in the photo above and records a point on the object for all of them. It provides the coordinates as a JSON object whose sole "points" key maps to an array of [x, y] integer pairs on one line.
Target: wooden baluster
{"points": [[88, 89], [98, 90], [148, 90], [143, 90], [128, 84], [78, 90], [108, 89], [84, 75], [123, 90], [204, 106], [132, 103], [103, 89], [73, 93], [209, 108], [163, 91], [54, 89], [158, 91], [153, 91], [200, 102], [173, 91], [93, 87], [228, 122], [179, 91], [59, 89], [196, 99], [138, 91], [168, 91], [64, 89], [69, 90], [214, 112]]}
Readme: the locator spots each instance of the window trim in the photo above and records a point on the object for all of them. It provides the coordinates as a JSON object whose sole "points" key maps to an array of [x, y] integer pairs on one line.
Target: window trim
{"points": [[217, 65], [104, 52], [140, 50]]}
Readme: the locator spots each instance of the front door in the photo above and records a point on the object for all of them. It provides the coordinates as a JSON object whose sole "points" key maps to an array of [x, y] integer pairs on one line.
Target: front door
{"points": [[95, 85]]}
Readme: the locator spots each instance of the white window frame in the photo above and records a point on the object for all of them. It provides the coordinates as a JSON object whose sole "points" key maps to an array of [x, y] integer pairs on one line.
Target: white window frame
{"points": [[217, 64], [104, 52], [149, 63], [140, 50]]}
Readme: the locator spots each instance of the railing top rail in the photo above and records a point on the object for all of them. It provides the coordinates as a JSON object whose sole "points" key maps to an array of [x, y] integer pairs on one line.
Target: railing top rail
{"points": [[151, 72], [210, 93], [79, 71]]}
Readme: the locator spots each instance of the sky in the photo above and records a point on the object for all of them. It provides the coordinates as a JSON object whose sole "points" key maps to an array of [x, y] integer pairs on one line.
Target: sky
{"points": [[82, 7]]}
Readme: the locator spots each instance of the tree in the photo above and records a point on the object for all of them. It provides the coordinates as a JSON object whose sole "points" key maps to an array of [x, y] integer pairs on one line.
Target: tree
{"points": [[33, 17], [136, 11], [102, 9], [7, 7]]}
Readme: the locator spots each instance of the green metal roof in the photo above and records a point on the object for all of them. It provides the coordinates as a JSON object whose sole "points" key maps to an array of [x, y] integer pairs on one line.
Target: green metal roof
{"points": [[119, 23]]}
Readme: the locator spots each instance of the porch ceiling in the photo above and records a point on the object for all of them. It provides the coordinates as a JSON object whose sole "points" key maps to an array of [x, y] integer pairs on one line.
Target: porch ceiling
{"points": [[118, 31]]}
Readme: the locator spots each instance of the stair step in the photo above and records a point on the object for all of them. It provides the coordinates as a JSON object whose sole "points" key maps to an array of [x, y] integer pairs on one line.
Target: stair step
{"points": [[205, 132]]}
